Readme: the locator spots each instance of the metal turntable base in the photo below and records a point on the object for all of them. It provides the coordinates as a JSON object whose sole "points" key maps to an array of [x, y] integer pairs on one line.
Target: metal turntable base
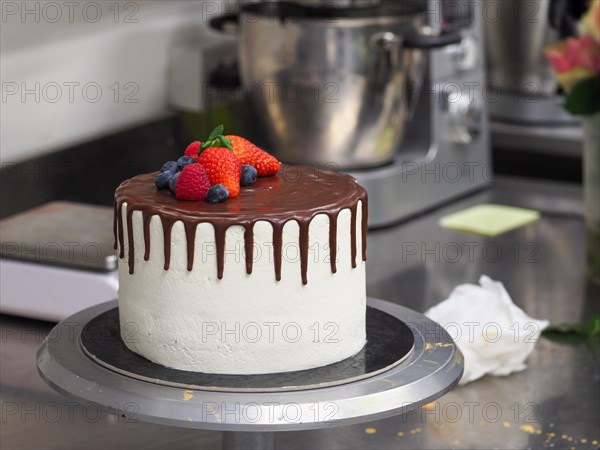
{"points": [[426, 370], [389, 342]]}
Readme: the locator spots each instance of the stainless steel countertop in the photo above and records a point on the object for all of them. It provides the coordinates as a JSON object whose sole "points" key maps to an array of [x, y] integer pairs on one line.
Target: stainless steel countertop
{"points": [[553, 404]]}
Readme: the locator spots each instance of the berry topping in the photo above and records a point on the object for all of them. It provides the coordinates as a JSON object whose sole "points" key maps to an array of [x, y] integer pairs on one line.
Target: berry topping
{"points": [[193, 149], [172, 182], [249, 174], [184, 161], [216, 139], [169, 166], [223, 168], [248, 153], [192, 183], [162, 180], [217, 194]]}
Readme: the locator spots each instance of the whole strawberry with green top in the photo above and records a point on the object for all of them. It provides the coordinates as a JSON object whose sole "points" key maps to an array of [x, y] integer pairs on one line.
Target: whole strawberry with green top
{"points": [[220, 163]]}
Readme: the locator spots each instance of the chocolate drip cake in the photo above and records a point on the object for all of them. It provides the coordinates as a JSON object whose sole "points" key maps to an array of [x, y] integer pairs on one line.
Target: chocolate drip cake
{"points": [[272, 280]]}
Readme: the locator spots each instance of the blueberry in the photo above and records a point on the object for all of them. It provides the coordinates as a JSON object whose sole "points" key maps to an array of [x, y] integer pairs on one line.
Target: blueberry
{"points": [[217, 194], [184, 161], [162, 180], [169, 166], [248, 175], [172, 182]]}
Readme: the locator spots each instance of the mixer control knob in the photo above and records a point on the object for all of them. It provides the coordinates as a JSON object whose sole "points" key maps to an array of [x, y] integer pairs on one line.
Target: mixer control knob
{"points": [[464, 54], [465, 116]]}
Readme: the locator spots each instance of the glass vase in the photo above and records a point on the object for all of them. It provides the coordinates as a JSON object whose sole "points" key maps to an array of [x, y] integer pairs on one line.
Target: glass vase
{"points": [[591, 192]]}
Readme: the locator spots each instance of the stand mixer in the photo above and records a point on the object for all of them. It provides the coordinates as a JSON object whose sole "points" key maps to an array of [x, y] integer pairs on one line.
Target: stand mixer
{"points": [[405, 80], [528, 114]]}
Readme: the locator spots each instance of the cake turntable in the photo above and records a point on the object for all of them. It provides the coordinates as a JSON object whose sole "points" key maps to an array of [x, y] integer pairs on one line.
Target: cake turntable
{"points": [[383, 381]]}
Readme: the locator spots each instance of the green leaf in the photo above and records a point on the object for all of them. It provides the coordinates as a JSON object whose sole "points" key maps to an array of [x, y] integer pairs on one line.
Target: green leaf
{"points": [[584, 98], [592, 326], [574, 333], [568, 338], [564, 328], [225, 142], [215, 133]]}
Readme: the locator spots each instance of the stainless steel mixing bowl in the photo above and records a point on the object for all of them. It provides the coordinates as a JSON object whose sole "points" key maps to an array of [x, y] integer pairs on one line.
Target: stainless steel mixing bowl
{"points": [[337, 3], [516, 33], [333, 85]]}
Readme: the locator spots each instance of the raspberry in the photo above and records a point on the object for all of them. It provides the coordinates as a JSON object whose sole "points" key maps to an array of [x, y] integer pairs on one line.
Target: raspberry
{"points": [[192, 183], [192, 150]]}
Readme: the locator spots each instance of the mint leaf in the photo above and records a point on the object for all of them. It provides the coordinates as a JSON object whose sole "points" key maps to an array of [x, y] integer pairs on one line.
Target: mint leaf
{"points": [[225, 142], [215, 133]]}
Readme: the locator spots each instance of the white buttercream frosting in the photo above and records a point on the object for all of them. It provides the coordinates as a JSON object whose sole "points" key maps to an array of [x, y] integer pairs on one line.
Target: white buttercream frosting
{"points": [[243, 323]]}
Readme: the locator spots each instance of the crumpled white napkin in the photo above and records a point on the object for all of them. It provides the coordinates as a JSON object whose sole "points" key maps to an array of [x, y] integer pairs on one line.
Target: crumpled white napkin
{"points": [[494, 335]]}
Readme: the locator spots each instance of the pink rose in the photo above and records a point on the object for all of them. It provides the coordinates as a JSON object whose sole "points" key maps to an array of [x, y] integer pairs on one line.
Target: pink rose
{"points": [[574, 60], [588, 54], [581, 52]]}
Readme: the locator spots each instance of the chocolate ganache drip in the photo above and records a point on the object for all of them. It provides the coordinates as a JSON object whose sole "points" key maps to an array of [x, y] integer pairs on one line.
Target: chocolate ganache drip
{"points": [[297, 193]]}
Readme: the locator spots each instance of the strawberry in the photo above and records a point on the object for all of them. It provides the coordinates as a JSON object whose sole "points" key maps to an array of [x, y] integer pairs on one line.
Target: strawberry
{"points": [[192, 150], [265, 164], [222, 167], [192, 183]]}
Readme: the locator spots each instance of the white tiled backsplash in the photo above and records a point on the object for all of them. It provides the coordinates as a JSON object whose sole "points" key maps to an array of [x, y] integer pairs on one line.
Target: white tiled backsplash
{"points": [[72, 71]]}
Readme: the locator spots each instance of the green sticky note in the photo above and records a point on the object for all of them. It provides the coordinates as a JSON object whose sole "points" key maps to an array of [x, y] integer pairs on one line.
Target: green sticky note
{"points": [[489, 220]]}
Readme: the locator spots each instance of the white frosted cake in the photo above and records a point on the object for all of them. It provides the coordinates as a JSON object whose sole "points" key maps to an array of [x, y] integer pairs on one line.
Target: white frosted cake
{"points": [[272, 280]]}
